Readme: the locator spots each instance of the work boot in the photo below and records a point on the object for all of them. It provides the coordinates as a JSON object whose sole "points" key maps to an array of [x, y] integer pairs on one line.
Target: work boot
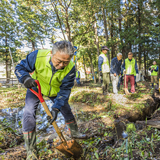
{"points": [[30, 144], [72, 125]]}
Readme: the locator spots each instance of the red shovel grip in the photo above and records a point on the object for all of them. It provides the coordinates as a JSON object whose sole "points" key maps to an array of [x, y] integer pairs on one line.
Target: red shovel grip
{"points": [[39, 94]]}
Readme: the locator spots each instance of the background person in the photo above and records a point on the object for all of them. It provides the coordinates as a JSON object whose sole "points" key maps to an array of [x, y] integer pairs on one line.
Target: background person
{"points": [[104, 69], [154, 73], [130, 67], [115, 71]]}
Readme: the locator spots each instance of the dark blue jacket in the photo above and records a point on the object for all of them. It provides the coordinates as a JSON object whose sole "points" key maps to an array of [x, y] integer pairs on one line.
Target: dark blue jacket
{"points": [[27, 66], [115, 66], [136, 67]]}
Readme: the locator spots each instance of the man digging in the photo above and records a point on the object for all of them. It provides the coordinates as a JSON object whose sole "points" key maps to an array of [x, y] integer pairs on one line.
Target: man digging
{"points": [[56, 73]]}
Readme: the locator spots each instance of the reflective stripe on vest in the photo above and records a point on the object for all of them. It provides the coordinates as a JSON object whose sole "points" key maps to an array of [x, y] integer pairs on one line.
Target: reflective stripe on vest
{"points": [[105, 64], [50, 82], [154, 73], [130, 66]]}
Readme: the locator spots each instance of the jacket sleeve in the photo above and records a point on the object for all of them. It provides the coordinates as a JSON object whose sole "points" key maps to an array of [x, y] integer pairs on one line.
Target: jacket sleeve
{"points": [[65, 89], [100, 62], [156, 69], [123, 67], [26, 66], [136, 68]]}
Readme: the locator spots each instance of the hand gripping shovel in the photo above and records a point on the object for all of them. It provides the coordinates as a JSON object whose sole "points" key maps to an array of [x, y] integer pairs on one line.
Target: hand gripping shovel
{"points": [[70, 148]]}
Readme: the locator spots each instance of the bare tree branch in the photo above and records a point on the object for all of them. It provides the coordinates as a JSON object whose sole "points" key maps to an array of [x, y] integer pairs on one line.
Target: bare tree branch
{"points": [[56, 11]]}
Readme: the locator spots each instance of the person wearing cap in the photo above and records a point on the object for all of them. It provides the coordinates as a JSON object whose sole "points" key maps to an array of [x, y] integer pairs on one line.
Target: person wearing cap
{"points": [[130, 67], [154, 73], [104, 69], [115, 71], [56, 74]]}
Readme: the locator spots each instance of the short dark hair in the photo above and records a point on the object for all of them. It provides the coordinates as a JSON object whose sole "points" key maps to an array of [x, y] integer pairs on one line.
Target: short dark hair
{"points": [[130, 53]]}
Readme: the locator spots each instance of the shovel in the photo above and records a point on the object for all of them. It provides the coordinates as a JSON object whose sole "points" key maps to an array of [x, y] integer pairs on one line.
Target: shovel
{"points": [[70, 148]]}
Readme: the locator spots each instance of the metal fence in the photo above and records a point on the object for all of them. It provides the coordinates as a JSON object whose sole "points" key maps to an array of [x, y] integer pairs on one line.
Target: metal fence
{"points": [[9, 82]]}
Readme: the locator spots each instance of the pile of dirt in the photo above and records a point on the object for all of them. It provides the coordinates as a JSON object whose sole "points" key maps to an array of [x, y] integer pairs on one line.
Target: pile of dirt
{"points": [[88, 97]]}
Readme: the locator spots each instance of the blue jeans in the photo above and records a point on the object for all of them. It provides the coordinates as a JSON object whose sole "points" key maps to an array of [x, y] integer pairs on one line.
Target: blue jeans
{"points": [[31, 104]]}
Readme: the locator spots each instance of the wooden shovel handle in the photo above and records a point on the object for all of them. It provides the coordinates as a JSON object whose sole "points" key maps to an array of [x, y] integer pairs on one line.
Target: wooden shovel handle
{"points": [[39, 95]]}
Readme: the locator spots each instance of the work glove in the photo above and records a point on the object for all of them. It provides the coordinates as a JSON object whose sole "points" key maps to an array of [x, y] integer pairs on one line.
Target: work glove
{"points": [[54, 113], [29, 82], [101, 74]]}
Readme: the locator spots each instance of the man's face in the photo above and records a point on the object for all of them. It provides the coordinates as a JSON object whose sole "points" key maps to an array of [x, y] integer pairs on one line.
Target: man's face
{"points": [[104, 51], [60, 60], [154, 62], [130, 55], [119, 57]]}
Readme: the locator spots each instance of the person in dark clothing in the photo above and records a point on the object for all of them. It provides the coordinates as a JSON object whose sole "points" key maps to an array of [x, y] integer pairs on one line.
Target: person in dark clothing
{"points": [[56, 73], [115, 71]]}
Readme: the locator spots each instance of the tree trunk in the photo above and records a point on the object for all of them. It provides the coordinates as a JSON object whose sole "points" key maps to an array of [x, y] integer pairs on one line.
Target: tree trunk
{"points": [[67, 25], [120, 29], [97, 44], [33, 46], [92, 67], [106, 35], [112, 25], [139, 33], [7, 75], [84, 68], [105, 24], [7, 69], [145, 61]]}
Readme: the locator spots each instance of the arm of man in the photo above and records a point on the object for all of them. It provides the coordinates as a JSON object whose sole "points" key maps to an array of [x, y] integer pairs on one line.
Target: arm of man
{"points": [[123, 67], [26, 66], [136, 67], [156, 69], [120, 68], [100, 62], [65, 89]]}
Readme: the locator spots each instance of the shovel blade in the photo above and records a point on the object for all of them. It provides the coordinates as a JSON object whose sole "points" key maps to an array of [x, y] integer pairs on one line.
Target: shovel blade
{"points": [[72, 149]]}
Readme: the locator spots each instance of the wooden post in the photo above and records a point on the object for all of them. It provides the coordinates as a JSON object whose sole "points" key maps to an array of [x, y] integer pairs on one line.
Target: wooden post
{"points": [[159, 85]]}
